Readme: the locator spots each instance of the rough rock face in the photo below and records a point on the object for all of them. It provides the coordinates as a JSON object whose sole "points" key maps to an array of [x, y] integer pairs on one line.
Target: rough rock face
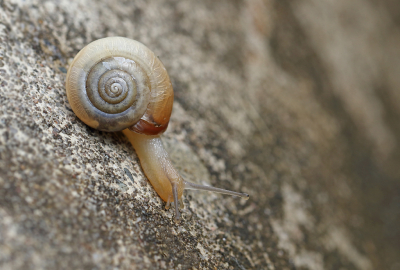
{"points": [[293, 102]]}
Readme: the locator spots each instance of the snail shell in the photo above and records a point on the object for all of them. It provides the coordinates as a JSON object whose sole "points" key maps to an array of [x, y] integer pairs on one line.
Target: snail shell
{"points": [[115, 83]]}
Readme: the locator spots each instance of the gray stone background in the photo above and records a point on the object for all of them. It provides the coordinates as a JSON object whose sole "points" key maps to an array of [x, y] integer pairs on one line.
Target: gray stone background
{"points": [[293, 102]]}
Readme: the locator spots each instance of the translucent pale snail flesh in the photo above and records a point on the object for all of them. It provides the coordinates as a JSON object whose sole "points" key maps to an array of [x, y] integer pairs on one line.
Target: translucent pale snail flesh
{"points": [[116, 84]]}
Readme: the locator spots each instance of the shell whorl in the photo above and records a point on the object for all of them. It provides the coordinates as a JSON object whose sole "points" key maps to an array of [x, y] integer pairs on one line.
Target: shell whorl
{"points": [[115, 83]]}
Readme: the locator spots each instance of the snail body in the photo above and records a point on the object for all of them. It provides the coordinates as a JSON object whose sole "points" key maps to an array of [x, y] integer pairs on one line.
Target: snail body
{"points": [[118, 84]]}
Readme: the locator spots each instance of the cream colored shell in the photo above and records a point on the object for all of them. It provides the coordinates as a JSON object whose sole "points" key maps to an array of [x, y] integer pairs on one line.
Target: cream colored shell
{"points": [[115, 83]]}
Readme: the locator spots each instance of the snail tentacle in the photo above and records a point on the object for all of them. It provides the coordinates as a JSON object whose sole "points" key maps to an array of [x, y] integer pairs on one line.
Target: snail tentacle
{"points": [[190, 185], [176, 201]]}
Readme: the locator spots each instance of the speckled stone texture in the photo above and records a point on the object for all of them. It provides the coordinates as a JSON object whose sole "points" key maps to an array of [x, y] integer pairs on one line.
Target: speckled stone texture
{"points": [[293, 102]]}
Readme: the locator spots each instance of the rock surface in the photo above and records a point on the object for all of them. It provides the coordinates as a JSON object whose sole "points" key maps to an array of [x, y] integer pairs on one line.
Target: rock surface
{"points": [[293, 102]]}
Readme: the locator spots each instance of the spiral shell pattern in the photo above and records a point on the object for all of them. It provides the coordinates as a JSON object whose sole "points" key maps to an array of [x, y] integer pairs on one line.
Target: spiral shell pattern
{"points": [[117, 83]]}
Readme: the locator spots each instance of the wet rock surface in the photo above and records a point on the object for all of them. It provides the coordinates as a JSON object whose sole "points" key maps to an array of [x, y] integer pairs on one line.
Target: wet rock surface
{"points": [[293, 102]]}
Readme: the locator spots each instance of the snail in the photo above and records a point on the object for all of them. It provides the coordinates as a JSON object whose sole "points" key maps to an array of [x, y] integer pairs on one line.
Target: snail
{"points": [[118, 84]]}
